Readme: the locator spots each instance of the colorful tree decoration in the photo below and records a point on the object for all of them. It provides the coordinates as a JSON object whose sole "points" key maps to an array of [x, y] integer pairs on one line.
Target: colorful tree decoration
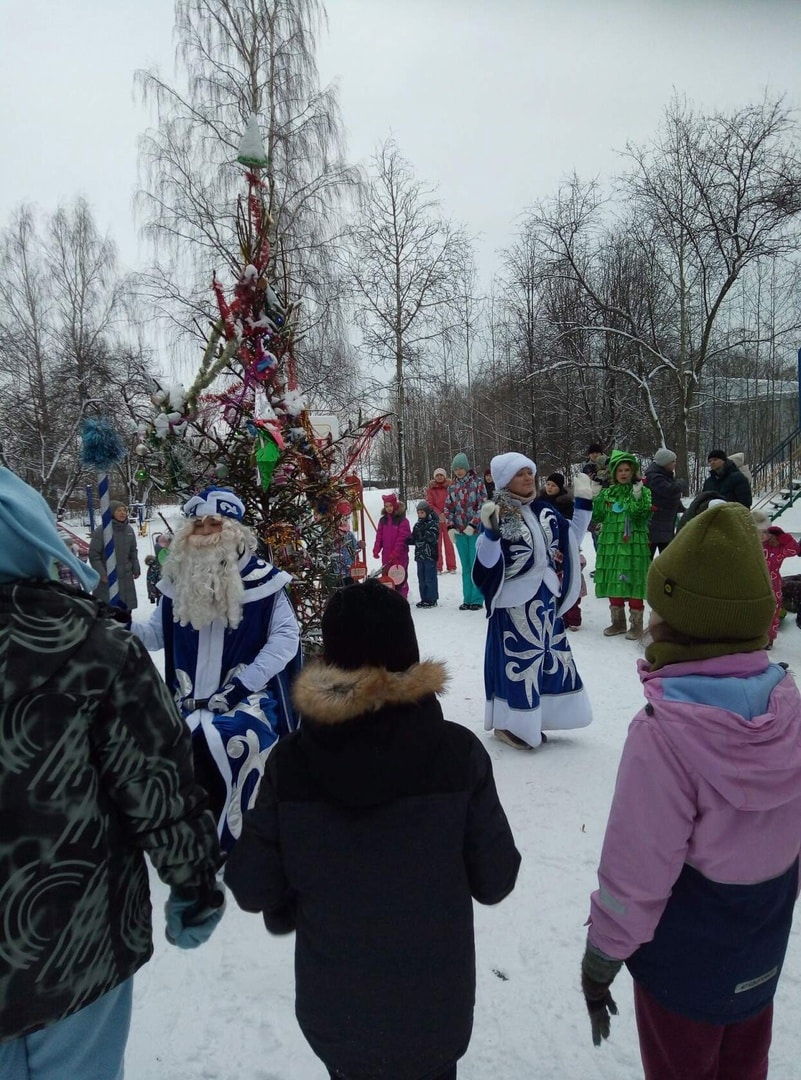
{"points": [[102, 448], [244, 420]]}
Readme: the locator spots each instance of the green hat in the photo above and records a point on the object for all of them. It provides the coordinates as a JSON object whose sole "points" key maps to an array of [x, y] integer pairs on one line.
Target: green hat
{"points": [[460, 462], [712, 584], [617, 457]]}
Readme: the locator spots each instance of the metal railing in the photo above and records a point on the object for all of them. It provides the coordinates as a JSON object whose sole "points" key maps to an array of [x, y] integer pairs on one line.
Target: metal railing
{"points": [[776, 481]]}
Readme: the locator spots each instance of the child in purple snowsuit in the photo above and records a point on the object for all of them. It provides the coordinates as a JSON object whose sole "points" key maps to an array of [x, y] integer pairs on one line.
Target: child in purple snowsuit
{"points": [[391, 539]]}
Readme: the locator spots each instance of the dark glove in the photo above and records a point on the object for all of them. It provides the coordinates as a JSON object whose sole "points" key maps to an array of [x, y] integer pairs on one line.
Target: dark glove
{"points": [[600, 1005], [192, 922], [117, 612], [228, 696], [597, 973]]}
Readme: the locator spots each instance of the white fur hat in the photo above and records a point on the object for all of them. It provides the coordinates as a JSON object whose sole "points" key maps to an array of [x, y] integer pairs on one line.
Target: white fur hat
{"points": [[504, 466]]}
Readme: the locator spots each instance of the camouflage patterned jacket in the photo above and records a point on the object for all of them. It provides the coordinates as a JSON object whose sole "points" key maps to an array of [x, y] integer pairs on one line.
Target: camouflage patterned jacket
{"points": [[95, 770]]}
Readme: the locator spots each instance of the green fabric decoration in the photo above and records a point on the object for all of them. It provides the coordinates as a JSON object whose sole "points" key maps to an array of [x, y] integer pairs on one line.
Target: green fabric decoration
{"points": [[267, 456]]}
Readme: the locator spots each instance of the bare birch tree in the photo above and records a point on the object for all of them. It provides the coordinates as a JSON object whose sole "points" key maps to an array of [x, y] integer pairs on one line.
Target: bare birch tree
{"points": [[403, 262], [709, 197], [238, 58], [66, 341]]}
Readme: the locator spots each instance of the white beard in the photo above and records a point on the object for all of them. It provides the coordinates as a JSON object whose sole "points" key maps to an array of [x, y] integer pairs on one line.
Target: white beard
{"points": [[205, 575]]}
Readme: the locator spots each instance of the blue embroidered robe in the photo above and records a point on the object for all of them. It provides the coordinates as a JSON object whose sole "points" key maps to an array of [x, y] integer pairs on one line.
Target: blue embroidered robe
{"points": [[198, 662], [530, 574]]}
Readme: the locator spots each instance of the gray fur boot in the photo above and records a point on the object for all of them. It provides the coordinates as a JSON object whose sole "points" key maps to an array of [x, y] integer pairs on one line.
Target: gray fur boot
{"points": [[635, 624], [618, 624]]}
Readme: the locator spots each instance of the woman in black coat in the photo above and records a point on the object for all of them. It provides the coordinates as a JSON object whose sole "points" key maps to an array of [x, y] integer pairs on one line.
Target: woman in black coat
{"points": [[666, 493], [376, 826]]}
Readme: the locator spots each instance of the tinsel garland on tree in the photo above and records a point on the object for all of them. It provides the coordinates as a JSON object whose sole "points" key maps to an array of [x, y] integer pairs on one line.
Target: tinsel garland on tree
{"points": [[244, 423]]}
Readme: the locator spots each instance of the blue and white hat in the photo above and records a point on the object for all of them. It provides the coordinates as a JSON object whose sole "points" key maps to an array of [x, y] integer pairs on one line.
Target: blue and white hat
{"points": [[29, 541], [217, 501]]}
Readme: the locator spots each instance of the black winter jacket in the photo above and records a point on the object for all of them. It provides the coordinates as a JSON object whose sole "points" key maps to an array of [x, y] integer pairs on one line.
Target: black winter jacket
{"points": [[666, 492], [425, 537], [376, 825], [95, 770], [730, 484]]}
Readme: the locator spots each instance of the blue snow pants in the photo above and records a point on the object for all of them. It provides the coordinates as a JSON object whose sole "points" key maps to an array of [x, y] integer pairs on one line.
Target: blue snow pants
{"points": [[88, 1045]]}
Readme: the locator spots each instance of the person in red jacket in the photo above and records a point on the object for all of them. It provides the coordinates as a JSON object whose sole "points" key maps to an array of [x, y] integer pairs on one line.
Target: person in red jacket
{"points": [[436, 494], [391, 537], [778, 545]]}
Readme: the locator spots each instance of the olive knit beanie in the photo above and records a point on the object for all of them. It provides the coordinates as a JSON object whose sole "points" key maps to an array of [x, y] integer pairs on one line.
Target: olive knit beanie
{"points": [[712, 584]]}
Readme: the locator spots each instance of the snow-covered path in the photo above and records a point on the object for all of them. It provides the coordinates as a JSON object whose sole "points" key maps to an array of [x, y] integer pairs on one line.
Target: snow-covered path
{"points": [[227, 1010]]}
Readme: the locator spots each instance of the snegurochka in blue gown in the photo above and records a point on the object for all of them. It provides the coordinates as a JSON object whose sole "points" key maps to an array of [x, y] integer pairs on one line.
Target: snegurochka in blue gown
{"points": [[527, 568]]}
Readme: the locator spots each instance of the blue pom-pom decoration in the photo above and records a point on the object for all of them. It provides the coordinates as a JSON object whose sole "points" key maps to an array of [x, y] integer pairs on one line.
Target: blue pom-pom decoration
{"points": [[101, 445]]}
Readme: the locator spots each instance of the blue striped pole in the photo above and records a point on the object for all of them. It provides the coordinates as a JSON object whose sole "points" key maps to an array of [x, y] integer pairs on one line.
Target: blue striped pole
{"points": [[108, 539]]}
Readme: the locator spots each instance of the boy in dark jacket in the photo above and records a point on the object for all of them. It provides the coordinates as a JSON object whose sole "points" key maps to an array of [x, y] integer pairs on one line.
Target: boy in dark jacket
{"points": [[424, 538], [376, 825], [96, 769]]}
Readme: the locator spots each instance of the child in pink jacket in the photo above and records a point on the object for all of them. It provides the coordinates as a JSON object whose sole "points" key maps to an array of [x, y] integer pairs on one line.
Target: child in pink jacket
{"points": [[778, 546], [391, 537], [699, 868]]}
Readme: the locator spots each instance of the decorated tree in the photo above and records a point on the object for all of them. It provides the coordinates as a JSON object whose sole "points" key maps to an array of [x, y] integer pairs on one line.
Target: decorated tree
{"points": [[244, 422]]}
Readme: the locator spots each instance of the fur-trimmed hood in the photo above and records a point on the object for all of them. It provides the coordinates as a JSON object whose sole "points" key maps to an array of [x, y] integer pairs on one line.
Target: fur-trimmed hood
{"points": [[332, 695]]}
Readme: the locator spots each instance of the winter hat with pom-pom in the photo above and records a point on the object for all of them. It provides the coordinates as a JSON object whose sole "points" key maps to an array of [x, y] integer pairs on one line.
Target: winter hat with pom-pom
{"points": [[712, 586], [504, 466], [369, 625]]}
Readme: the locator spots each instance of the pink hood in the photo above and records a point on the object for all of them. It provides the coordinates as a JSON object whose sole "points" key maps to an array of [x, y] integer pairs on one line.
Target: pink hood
{"points": [[754, 764]]}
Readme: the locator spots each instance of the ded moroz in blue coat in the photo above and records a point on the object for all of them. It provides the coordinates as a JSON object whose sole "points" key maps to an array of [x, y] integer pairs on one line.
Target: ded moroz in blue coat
{"points": [[262, 650]]}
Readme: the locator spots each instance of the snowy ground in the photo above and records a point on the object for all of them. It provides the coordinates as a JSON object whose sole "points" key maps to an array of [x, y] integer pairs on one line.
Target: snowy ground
{"points": [[227, 1011]]}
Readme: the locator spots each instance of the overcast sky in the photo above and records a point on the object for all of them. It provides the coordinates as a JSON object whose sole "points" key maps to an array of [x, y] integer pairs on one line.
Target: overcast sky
{"points": [[493, 100]]}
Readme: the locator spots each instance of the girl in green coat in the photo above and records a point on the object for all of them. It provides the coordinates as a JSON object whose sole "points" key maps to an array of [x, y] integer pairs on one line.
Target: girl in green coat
{"points": [[623, 556]]}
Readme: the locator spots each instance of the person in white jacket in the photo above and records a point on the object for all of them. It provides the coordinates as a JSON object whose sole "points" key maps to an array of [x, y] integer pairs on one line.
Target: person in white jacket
{"points": [[528, 570], [231, 641]]}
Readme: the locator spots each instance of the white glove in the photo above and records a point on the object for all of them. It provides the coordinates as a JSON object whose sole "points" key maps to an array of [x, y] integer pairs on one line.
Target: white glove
{"points": [[489, 516], [584, 487], [636, 489], [453, 533], [468, 530]]}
